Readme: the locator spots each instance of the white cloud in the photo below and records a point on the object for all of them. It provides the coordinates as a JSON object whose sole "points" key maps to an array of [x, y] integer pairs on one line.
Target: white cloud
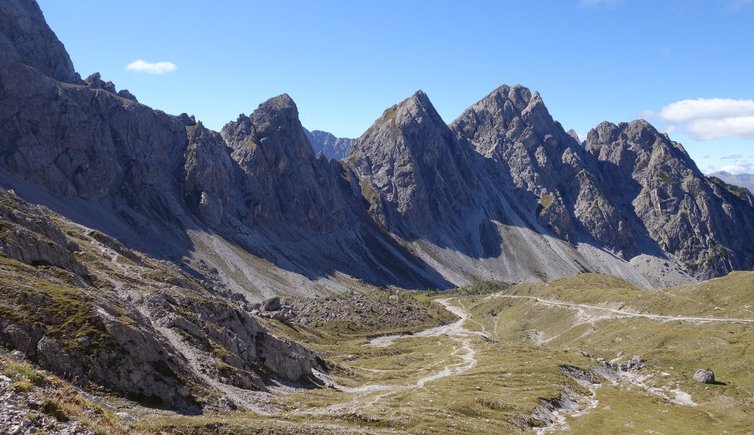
{"points": [[737, 167], [709, 118], [151, 67]]}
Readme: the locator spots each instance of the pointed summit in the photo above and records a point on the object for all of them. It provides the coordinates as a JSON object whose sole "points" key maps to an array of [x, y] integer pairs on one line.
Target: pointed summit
{"points": [[418, 100], [507, 112], [413, 112], [636, 144], [416, 175], [274, 126]]}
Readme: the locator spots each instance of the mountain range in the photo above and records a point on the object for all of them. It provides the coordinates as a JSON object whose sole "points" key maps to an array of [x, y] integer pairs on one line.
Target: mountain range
{"points": [[502, 192], [266, 208]]}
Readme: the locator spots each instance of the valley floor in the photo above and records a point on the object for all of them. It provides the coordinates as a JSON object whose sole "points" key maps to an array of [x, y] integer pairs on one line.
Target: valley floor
{"points": [[548, 357]]}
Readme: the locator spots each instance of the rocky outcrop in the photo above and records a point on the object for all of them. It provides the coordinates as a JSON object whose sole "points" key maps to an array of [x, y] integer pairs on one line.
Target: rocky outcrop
{"points": [[95, 81], [23, 29], [332, 147], [210, 187], [82, 305], [554, 182], [29, 236], [283, 183], [413, 172], [704, 225]]}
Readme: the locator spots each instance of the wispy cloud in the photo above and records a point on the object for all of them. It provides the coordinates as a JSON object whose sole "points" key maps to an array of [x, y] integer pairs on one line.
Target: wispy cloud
{"points": [[733, 157], [141, 65], [709, 118], [610, 4]]}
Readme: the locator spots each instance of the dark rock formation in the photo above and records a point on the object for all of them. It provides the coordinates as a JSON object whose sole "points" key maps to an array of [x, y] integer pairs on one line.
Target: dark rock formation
{"points": [[283, 182], [24, 33], [702, 224], [413, 172]]}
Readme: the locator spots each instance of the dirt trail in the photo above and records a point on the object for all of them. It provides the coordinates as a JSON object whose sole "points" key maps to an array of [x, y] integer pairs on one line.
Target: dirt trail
{"points": [[455, 331], [452, 329], [625, 313]]}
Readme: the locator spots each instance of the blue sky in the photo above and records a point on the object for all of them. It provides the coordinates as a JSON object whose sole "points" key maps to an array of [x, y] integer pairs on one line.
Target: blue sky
{"points": [[344, 62]]}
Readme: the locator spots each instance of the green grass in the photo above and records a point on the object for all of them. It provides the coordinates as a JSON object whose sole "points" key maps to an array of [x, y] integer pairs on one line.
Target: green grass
{"points": [[739, 192], [53, 408], [664, 178], [521, 365], [61, 310], [546, 201], [674, 347], [17, 369]]}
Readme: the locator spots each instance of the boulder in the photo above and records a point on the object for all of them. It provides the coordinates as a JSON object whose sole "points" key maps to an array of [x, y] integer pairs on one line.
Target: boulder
{"points": [[704, 376], [272, 304]]}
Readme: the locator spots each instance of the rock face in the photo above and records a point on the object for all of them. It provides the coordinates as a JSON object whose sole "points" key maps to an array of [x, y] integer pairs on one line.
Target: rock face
{"points": [[162, 338], [704, 376], [23, 29], [530, 154], [210, 188], [332, 147], [702, 223], [283, 183], [503, 193], [415, 175]]}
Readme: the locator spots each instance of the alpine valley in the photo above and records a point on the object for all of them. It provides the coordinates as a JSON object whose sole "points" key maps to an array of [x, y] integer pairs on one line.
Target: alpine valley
{"points": [[488, 275]]}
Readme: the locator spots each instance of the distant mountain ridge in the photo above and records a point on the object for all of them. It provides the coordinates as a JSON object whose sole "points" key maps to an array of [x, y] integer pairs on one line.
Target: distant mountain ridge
{"points": [[740, 179], [502, 192], [332, 147]]}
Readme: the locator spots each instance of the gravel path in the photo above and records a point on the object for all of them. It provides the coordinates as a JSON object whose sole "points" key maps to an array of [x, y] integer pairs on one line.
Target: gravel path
{"points": [[625, 313]]}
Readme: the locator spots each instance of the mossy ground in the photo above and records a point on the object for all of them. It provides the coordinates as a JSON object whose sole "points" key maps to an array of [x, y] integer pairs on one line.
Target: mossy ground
{"points": [[59, 399], [517, 369], [32, 296]]}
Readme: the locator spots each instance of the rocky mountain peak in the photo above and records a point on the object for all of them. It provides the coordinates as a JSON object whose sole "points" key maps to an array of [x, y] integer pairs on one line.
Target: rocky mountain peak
{"points": [[416, 175], [637, 146], [518, 95], [415, 112], [277, 110], [282, 181], [23, 27], [639, 132], [418, 101], [510, 115], [654, 179], [274, 126]]}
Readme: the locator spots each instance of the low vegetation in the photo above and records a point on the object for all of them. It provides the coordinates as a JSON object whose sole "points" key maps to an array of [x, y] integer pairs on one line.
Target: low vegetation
{"points": [[522, 343], [53, 405]]}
